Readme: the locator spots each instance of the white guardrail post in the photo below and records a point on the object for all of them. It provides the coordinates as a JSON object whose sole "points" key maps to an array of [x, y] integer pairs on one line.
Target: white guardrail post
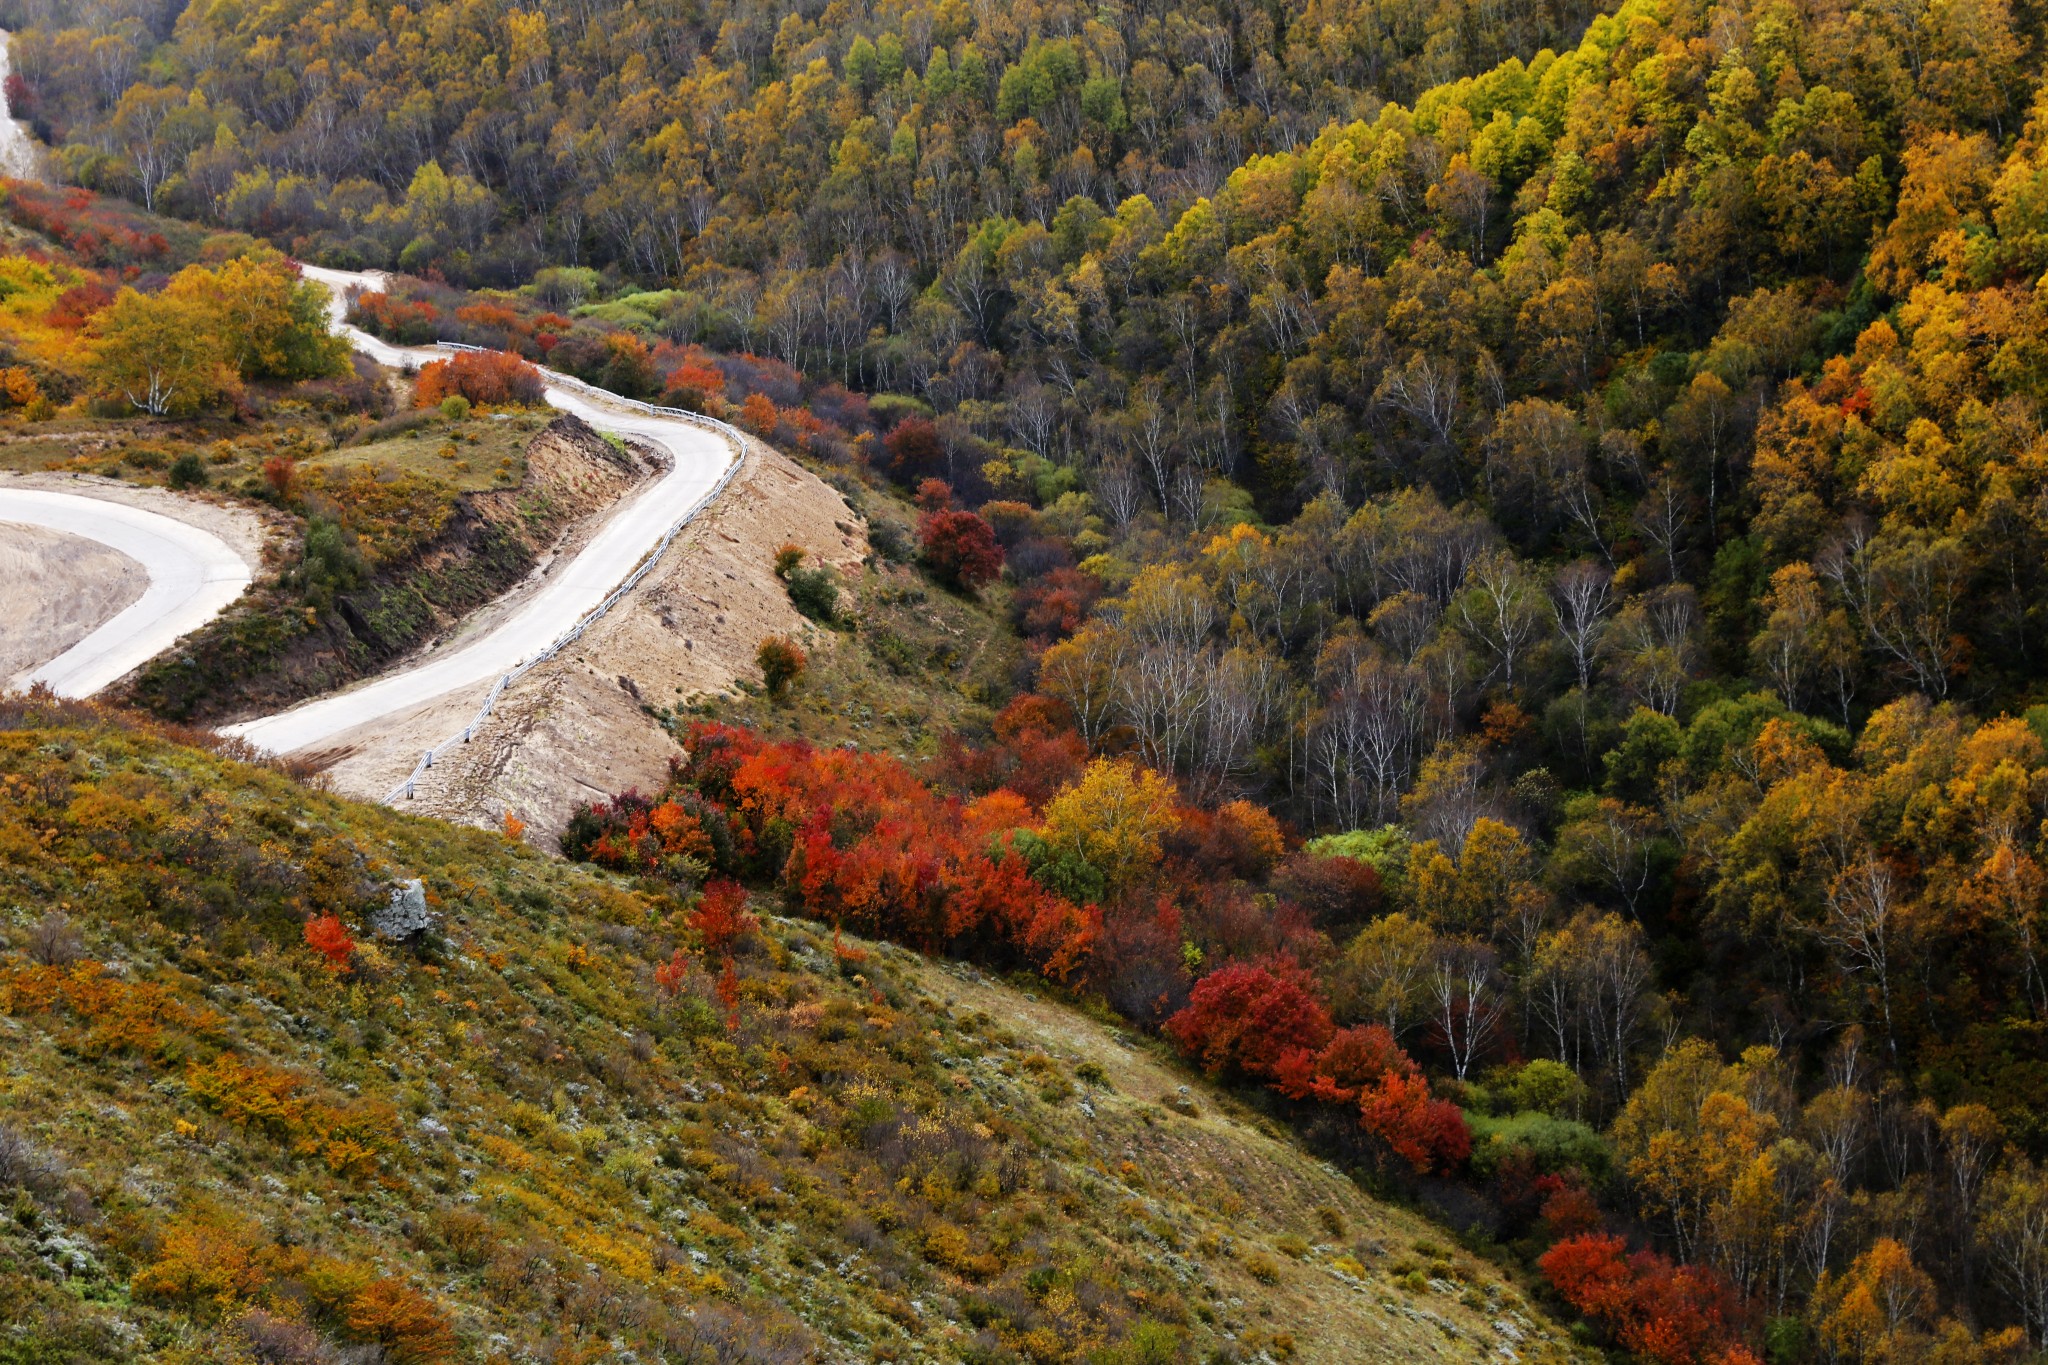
{"points": [[647, 562]]}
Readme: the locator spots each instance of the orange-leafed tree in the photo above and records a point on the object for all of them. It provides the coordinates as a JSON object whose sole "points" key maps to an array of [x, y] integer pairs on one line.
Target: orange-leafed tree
{"points": [[329, 937], [486, 378], [403, 1321]]}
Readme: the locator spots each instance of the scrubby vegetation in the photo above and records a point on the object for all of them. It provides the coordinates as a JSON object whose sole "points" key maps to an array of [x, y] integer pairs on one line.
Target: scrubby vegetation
{"points": [[575, 1116]]}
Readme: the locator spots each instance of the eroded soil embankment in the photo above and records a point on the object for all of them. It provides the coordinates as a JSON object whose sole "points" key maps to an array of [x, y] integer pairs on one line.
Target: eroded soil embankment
{"points": [[581, 727], [276, 648]]}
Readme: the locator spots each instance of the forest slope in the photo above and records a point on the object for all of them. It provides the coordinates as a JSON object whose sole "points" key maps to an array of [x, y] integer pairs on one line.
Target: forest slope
{"points": [[486, 141]]}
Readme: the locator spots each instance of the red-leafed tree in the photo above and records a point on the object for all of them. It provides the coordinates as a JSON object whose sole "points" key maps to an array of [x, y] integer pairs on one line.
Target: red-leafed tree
{"points": [[729, 995], [1670, 1314], [1569, 1208], [694, 383], [915, 451], [670, 975], [720, 916], [1427, 1133], [1592, 1274], [959, 548], [1244, 1019], [281, 473], [1052, 606], [1035, 752], [1352, 1061], [1332, 892]]}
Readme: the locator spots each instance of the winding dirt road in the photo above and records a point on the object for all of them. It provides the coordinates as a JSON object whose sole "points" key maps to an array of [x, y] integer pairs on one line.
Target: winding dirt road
{"points": [[698, 461], [193, 575]]}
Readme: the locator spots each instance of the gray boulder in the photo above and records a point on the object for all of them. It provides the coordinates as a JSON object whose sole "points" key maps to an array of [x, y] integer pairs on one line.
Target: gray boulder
{"points": [[405, 914]]}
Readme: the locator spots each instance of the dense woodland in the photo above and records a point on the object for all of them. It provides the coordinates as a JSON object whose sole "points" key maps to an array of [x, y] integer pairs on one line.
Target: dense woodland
{"points": [[1587, 469]]}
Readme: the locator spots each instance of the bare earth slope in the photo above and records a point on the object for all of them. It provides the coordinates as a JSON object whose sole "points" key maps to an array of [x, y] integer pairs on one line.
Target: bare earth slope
{"points": [[59, 589], [577, 728]]}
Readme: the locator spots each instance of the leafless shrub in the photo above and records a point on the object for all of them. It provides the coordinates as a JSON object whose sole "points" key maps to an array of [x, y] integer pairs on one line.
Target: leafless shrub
{"points": [[27, 1165], [53, 941], [280, 1341]]}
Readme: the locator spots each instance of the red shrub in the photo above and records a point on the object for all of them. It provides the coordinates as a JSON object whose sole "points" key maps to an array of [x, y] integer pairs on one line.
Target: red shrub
{"points": [[1353, 1060], [281, 473], [915, 451], [76, 305], [327, 936], [1592, 1274], [1244, 1018], [694, 383], [959, 548], [100, 232], [720, 917], [670, 975], [729, 995], [1036, 751], [1052, 606], [489, 322], [1331, 891], [1569, 1208], [406, 321], [1670, 1314], [1426, 1133], [1138, 964], [855, 839], [1237, 839]]}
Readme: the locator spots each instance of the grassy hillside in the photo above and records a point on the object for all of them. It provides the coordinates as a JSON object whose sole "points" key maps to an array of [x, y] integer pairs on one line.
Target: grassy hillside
{"points": [[902, 661], [541, 1129]]}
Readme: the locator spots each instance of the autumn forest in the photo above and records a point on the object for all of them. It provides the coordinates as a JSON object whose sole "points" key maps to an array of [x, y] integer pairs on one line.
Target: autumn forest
{"points": [[1521, 532]]}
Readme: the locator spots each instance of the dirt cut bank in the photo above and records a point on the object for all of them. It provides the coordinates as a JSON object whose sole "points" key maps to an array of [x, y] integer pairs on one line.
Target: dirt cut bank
{"points": [[582, 726], [327, 622]]}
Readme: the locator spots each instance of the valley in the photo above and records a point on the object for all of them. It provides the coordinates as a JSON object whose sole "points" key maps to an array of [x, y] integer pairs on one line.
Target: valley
{"points": [[1177, 683]]}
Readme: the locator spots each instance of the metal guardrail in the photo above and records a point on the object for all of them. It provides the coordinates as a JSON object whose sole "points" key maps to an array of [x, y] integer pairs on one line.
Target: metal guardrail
{"points": [[404, 790]]}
